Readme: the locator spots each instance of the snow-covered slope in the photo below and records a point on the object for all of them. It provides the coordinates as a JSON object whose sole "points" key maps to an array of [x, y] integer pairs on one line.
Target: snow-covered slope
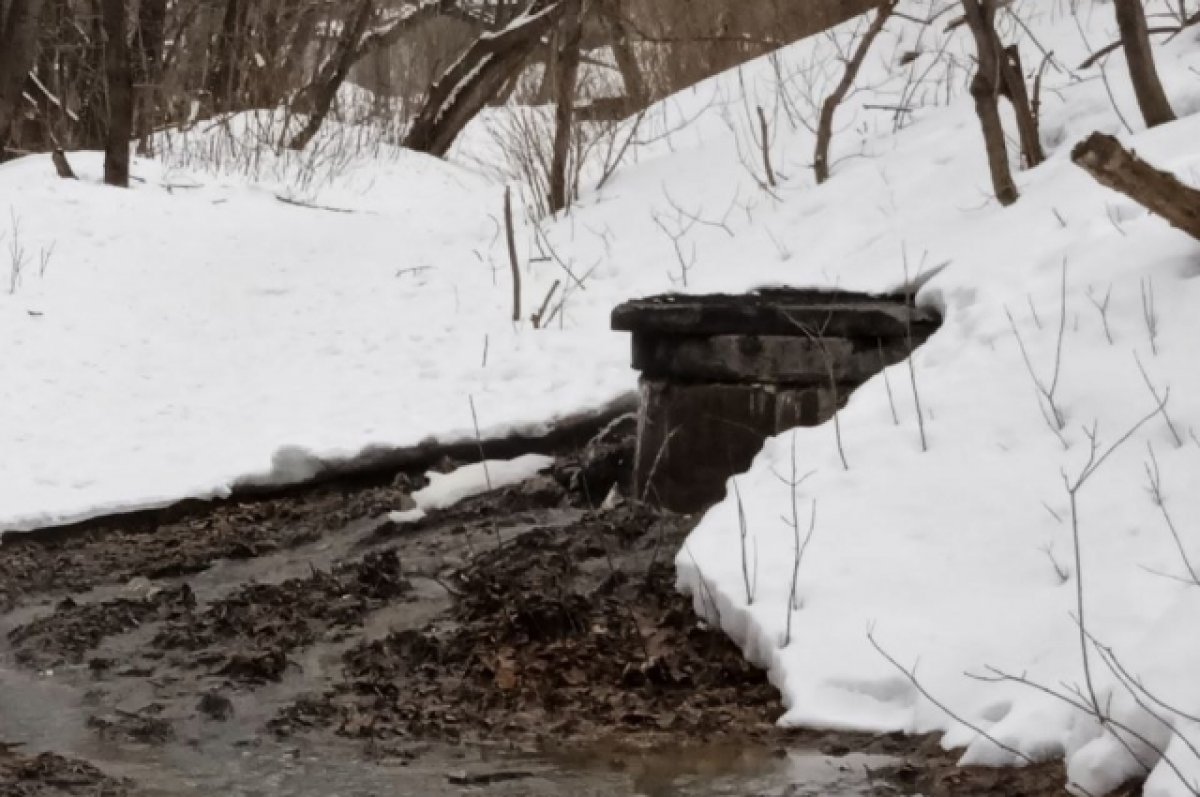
{"points": [[959, 560]]}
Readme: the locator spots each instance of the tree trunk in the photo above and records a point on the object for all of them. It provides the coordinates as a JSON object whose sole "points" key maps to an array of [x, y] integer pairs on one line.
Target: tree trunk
{"points": [[118, 74], [569, 37], [226, 56], [150, 37], [985, 89], [18, 50], [1131, 19], [467, 86], [317, 98], [333, 73], [1160, 192], [1018, 95], [622, 45], [829, 107]]}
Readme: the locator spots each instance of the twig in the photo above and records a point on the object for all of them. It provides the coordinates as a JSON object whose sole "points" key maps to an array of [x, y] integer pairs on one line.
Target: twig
{"points": [[288, 201], [765, 132], [539, 316], [1150, 313], [1162, 401], [1102, 309], [887, 383], [912, 678], [1047, 402], [510, 237], [744, 532], [1155, 483], [912, 367]]}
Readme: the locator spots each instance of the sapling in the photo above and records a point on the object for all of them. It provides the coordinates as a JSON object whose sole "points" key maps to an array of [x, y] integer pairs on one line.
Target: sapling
{"points": [[1072, 485], [750, 580], [793, 484], [818, 340]]}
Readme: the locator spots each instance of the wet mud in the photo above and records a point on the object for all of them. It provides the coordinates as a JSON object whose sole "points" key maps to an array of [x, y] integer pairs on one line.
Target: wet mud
{"points": [[521, 642]]}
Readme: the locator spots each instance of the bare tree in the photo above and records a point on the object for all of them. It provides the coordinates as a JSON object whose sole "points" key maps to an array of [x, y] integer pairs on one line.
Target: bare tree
{"points": [[357, 41], [18, 48], [118, 75], [637, 93], [830, 106], [334, 73], [480, 74], [1151, 99], [985, 90], [570, 34]]}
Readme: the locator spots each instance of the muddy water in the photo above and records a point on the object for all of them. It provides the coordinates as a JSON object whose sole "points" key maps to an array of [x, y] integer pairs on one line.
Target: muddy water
{"points": [[47, 713], [138, 717]]}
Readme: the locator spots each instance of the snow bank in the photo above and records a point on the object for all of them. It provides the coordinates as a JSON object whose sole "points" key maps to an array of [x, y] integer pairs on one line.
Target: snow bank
{"points": [[959, 560]]}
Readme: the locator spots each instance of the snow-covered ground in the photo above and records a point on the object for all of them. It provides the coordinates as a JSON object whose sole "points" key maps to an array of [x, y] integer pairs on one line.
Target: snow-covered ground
{"points": [[195, 330], [183, 338]]}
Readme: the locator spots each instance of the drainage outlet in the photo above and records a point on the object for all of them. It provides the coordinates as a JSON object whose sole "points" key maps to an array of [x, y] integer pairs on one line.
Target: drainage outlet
{"points": [[720, 374]]}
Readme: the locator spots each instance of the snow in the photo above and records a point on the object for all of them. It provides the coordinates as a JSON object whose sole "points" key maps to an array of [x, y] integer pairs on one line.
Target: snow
{"points": [[195, 332], [185, 338], [446, 489]]}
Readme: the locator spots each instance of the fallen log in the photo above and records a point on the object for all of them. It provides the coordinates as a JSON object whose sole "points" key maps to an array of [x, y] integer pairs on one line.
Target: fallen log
{"points": [[1160, 192]]}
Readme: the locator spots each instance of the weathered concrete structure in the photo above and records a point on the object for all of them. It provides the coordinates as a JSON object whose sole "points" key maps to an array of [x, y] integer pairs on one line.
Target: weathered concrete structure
{"points": [[722, 373]]}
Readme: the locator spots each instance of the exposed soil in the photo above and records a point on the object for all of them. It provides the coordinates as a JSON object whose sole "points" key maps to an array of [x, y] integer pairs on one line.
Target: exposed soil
{"points": [[522, 620], [49, 775]]}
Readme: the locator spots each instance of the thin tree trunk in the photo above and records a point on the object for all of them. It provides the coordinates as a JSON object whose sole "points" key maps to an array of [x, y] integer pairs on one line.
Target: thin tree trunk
{"points": [[150, 37], [18, 50], [317, 98], [570, 36], [467, 86], [1018, 95], [830, 106], [622, 45], [985, 90], [223, 80], [1160, 192], [334, 73], [1152, 100], [118, 75]]}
